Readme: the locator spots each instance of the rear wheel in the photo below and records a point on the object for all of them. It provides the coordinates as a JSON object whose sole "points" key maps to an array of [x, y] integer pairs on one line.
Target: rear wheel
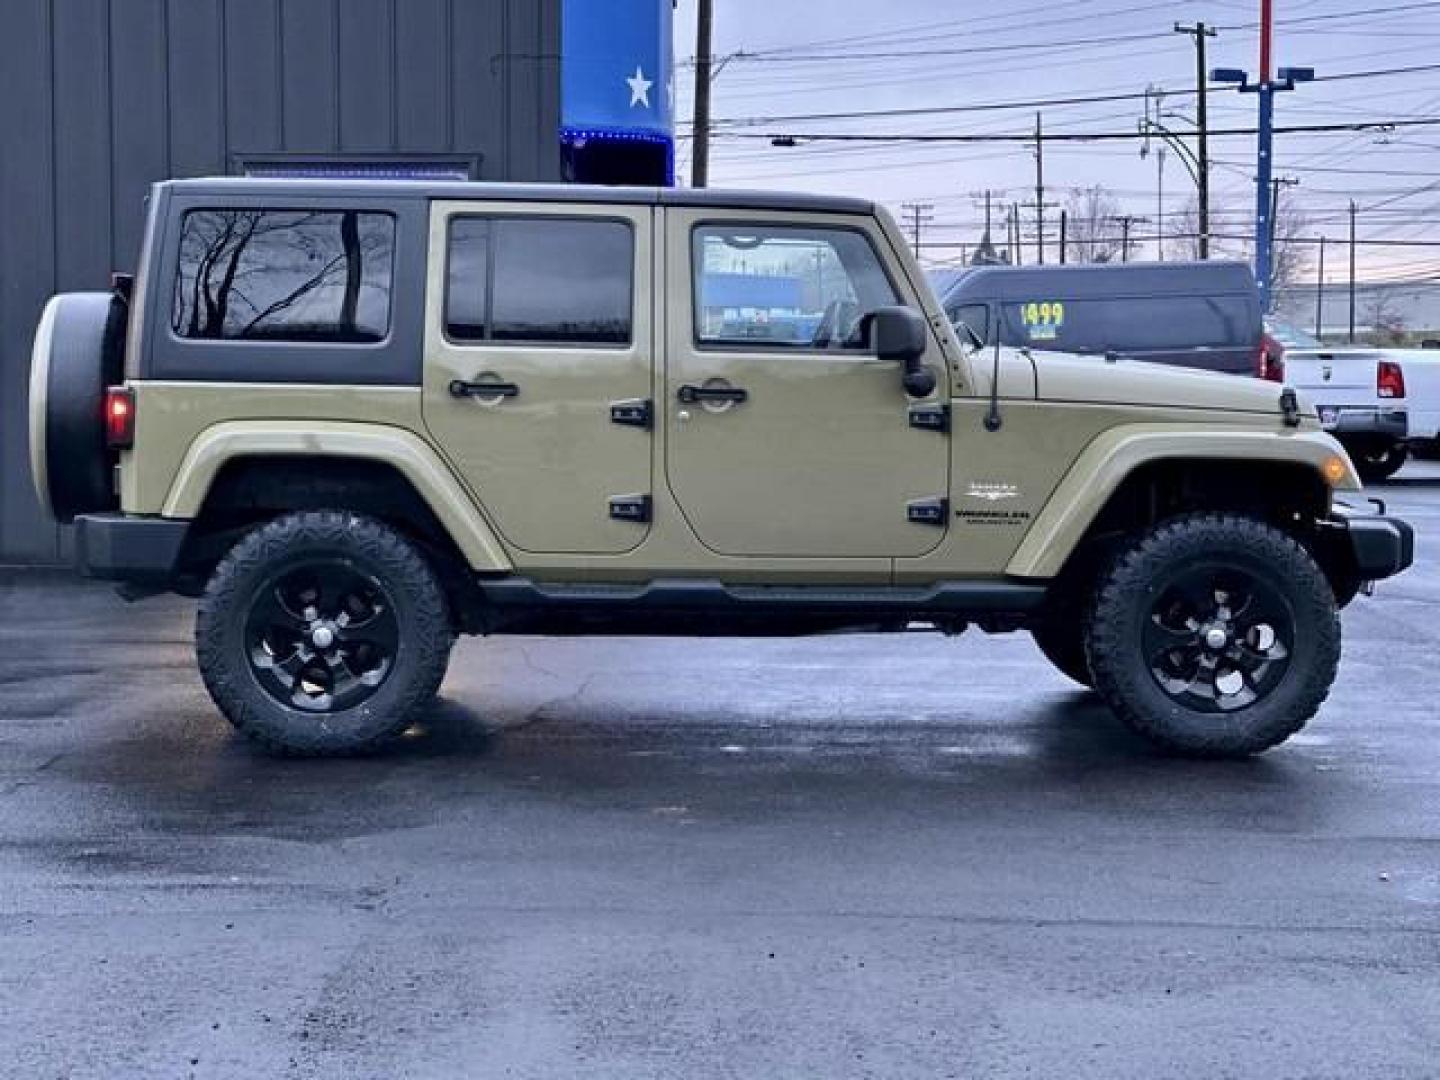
{"points": [[1376, 461], [1425, 449], [1215, 635], [323, 633]]}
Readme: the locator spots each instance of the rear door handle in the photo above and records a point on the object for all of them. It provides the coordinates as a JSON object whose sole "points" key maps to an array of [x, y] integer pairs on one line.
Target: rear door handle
{"points": [[462, 389], [690, 395]]}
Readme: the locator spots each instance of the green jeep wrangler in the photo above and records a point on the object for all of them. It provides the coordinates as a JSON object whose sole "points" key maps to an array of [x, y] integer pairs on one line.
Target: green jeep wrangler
{"points": [[360, 418]]}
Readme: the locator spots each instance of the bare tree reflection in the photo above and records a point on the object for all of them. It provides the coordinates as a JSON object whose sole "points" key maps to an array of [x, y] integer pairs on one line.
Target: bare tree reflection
{"points": [[291, 275]]}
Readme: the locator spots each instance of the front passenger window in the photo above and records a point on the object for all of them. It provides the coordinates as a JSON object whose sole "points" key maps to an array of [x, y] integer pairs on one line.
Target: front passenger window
{"points": [[562, 281], [785, 287]]}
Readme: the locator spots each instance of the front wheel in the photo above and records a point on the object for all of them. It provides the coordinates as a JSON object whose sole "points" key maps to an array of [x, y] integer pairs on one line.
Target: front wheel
{"points": [[1214, 635], [323, 633]]}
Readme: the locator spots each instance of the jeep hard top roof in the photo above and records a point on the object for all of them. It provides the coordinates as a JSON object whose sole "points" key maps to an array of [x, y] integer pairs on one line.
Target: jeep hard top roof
{"points": [[1093, 280], [271, 188]]}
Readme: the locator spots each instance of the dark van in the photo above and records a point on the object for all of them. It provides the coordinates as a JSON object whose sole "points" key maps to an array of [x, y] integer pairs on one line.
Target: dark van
{"points": [[1199, 314]]}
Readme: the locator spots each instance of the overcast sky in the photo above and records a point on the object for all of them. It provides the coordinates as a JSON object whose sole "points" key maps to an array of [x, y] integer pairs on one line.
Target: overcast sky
{"points": [[903, 54]]}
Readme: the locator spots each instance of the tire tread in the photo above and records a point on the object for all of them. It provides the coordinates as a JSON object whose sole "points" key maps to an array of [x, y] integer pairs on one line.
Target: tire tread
{"points": [[1137, 565], [229, 683]]}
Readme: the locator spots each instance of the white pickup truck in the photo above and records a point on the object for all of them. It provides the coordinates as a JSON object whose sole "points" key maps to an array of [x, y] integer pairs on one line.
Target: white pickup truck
{"points": [[1379, 402]]}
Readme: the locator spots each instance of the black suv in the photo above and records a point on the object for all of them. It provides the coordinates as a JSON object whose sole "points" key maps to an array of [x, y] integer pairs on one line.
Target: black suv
{"points": [[1202, 314]]}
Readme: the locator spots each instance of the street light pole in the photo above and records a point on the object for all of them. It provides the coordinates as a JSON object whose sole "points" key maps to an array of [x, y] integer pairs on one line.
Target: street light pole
{"points": [[1264, 235], [1266, 89], [1200, 31]]}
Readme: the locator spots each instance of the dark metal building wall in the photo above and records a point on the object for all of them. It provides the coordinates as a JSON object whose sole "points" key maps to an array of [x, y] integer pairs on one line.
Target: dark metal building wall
{"points": [[100, 98]]}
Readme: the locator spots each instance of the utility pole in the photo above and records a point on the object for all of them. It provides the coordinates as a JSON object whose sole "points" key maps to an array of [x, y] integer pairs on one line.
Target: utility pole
{"points": [[700, 167], [1126, 221], [1320, 292], [1040, 203], [1276, 183], [1015, 228], [1039, 190], [1200, 31], [987, 250], [1064, 229], [919, 216], [1353, 209], [1160, 204]]}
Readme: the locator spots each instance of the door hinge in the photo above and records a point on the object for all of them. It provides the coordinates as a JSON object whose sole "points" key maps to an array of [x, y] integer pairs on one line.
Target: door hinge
{"points": [[630, 508], [933, 417], [928, 511], [636, 412]]}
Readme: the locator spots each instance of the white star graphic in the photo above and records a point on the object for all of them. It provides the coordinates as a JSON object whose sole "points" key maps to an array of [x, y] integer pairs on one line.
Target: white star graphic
{"points": [[639, 88]]}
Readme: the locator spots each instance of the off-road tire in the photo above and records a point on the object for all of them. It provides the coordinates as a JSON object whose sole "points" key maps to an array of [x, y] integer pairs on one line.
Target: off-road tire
{"points": [[1123, 602], [424, 634], [1379, 461], [1062, 640]]}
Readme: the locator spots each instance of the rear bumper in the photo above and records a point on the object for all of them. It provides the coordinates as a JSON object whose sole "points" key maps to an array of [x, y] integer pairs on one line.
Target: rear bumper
{"points": [[117, 547], [1381, 546], [1361, 420]]}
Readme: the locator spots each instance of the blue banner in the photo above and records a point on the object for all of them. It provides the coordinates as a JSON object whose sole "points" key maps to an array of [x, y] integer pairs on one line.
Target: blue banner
{"points": [[618, 67]]}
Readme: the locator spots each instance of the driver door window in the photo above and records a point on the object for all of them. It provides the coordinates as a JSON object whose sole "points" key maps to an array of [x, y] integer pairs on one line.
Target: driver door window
{"points": [[785, 287]]}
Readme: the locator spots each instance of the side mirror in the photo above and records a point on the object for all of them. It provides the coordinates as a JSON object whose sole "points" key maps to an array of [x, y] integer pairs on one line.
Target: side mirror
{"points": [[900, 334]]}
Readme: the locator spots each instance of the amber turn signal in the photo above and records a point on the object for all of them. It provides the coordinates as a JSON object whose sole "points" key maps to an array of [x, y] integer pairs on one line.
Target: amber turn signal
{"points": [[1335, 469]]}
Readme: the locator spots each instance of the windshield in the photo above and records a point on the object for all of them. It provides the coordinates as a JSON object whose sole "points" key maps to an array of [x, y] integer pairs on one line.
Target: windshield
{"points": [[1292, 338]]}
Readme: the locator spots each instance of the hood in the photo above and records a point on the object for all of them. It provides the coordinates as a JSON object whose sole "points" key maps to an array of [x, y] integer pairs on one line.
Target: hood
{"points": [[1093, 379]]}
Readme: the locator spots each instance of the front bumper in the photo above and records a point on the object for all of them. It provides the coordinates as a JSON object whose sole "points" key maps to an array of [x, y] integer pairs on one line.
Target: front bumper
{"points": [[1381, 546], [119, 547], [1362, 420]]}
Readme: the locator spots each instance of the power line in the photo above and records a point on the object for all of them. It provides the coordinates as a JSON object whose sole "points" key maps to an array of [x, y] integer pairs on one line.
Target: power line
{"points": [[800, 56], [1075, 136], [1031, 104]]}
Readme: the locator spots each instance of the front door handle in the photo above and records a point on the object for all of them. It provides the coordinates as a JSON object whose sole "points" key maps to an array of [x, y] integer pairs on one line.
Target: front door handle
{"points": [[692, 395], [459, 388]]}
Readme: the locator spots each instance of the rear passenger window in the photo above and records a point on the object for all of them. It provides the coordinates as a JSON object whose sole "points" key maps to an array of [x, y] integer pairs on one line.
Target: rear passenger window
{"points": [[284, 275], [540, 280]]}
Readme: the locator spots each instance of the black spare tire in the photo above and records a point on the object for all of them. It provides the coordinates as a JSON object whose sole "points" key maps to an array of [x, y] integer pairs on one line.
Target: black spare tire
{"points": [[79, 351]]}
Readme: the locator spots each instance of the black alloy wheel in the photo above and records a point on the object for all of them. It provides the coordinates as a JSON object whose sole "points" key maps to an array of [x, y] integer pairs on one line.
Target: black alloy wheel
{"points": [[1218, 639], [322, 636], [1214, 634], [323, 632]]}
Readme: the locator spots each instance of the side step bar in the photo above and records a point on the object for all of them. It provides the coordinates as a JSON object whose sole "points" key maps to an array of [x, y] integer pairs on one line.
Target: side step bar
{"points": [[671, 606]]}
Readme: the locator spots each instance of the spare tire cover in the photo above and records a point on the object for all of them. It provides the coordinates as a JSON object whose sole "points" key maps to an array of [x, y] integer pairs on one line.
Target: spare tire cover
{"points": [[79, 351]]}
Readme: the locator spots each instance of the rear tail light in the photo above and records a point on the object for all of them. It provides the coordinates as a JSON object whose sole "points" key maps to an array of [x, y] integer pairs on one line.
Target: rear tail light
{"points": [[119, 417], [1389, 380], [1270, 362]]}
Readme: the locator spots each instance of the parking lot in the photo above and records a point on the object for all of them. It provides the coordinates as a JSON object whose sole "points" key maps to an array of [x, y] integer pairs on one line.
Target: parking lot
{"points": [[832, 857]]}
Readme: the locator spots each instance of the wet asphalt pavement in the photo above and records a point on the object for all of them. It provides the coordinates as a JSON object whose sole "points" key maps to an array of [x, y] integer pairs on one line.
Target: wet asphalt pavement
{"points": [[836, 857]]}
